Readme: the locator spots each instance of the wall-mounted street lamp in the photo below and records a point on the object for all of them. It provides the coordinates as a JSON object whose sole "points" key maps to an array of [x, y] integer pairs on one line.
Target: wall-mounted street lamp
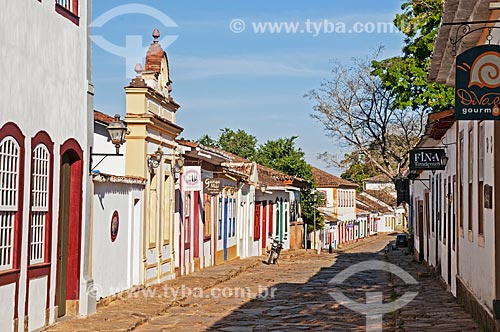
{"points": [[154, 160], [117, 130]]}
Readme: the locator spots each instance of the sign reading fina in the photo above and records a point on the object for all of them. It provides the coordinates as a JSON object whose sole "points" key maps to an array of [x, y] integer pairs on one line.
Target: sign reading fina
{"points": [[476, 84], [427, 159]]}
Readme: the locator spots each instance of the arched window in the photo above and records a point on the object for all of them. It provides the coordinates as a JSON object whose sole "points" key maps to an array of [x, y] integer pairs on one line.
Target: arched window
{"points": [[9, 196], [39, 202]]}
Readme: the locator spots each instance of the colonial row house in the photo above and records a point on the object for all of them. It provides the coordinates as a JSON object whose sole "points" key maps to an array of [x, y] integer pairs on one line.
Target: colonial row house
{"points": [[134, 193], [166, 207], [339, 210], [45, 138], [379, 192], [277, 209], [454, 212], [226, 206], [379, 214]]}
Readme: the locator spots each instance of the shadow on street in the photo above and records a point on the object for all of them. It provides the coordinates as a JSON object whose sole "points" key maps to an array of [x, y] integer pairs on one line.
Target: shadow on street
{"points": [[309, 306]]}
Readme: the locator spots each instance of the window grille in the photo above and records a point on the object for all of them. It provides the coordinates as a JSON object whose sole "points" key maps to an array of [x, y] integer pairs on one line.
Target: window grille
{"points": [[67, 4], [39, 202], [9, 184]]}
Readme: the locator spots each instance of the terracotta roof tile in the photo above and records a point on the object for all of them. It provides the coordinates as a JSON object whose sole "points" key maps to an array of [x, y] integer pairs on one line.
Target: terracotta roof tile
{"points": [[368, 204], [382, 178], [99, 116], [439, 123], [383, 196], [327, 180]]}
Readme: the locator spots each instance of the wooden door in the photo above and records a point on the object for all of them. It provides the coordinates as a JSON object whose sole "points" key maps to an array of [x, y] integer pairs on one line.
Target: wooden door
{"points": [[256, 221], [264, 225], [420, 231], [62, 258]]}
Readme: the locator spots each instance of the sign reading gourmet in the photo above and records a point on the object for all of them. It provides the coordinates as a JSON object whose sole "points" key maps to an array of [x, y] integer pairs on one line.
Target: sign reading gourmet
{"points": [[476, 82], [427, 159], [212, 186]]}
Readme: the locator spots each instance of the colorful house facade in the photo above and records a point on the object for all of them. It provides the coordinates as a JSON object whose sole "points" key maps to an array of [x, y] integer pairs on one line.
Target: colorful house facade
{"points": [[339, 207], [152, 155]]}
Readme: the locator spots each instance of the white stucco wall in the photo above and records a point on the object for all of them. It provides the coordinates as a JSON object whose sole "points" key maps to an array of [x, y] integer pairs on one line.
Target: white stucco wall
{"points": [[37, 303], [7, 292], [476, 262], [44, 77], [115, 265]]}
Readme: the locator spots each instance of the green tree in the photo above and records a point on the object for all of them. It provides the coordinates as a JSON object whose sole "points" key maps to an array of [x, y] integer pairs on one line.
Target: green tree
{"points": [[282, 155], [357, 169], [238, 142], [208, 141], [406, 75]]}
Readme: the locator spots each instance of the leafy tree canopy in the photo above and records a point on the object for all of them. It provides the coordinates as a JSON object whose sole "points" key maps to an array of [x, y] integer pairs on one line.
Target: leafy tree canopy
{"points": [[238, 142], [406, 75], [357, 169]]}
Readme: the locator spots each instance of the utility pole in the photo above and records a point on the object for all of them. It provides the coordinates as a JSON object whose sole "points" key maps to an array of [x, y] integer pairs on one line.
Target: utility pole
{"points": [[305, 235]]}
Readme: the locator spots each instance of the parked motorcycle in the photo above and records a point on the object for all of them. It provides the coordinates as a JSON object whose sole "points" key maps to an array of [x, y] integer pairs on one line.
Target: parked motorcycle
{"points": [[274, 252]]}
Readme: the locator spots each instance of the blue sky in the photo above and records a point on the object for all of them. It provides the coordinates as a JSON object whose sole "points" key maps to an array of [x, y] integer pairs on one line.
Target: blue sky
{"points": [[247, 80]]}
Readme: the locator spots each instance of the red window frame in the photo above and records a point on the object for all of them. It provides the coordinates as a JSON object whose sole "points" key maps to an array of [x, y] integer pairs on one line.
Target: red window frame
{"points": [[41, 269], [43, 138], [256, 221], [71, 15], [12, 276]]}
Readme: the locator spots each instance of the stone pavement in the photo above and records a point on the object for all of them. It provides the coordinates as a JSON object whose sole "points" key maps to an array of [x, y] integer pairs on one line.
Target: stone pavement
{"points": [[292, 296], [248, 295], [134, 308], [434, 309]]}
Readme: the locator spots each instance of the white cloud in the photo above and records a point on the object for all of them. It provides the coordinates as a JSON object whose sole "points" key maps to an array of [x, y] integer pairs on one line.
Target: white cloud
{"points": [[192, 68]]}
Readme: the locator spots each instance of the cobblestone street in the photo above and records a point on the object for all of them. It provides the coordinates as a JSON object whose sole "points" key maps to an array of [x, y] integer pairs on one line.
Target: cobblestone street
{"points": [[291, 296]]}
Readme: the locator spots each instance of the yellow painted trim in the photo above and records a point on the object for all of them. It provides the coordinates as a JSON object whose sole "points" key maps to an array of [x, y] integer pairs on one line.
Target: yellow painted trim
{"points": [[152, 281], [232, 253], [219, 257], [166, 274], [152, 266]]}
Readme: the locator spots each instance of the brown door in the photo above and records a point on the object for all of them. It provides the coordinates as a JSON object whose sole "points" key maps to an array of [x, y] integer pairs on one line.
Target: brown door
{"points": [[69, 231], [420, 230], [62, 258], [427, 224]]}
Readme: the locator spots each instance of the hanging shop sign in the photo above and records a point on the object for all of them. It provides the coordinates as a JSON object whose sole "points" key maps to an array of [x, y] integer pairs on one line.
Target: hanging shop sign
{"points": [[477, 79], [428, 159], [212, 186], [191, 178]]}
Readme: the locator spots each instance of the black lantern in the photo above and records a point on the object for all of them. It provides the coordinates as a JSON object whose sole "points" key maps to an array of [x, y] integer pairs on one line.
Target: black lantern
{"points": [[117, 130]]}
